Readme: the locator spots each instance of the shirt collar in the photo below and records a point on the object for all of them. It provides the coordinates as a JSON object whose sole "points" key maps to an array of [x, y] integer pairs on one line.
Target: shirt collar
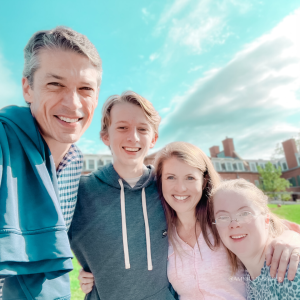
{"points": [[73, 154]]}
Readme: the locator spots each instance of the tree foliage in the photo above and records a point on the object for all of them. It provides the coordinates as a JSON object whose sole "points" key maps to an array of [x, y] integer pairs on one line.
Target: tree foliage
{"points": [[272, 183]]}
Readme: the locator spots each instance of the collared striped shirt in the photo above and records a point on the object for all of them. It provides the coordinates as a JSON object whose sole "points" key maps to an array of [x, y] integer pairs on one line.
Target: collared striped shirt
{"points": [[68, 176]]}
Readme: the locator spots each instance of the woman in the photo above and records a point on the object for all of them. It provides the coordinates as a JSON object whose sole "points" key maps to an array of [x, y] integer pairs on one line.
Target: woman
{"points": [[246, 226]]}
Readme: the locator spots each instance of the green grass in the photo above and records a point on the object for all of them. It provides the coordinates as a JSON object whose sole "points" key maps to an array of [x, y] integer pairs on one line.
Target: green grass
{"points": [[289, 212], [76, 292]]}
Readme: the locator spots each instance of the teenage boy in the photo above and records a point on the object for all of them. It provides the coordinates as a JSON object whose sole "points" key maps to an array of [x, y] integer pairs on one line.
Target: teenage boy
{"points": [[118, 230], [40, 165]]}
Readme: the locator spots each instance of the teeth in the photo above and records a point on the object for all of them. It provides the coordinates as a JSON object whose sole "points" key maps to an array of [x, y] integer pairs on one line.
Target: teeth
{"points": [[238, 236], [68, 120], [180, 197], [132, 149]]}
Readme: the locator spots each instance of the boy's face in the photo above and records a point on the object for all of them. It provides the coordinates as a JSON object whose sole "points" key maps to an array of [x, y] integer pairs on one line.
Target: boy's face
{"points": [[130, 135]]}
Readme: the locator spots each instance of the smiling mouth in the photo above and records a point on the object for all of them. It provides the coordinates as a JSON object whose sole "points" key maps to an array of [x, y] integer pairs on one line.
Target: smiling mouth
{"points": [[180, 198], [132, 149], [238, 237], [68, 120]]}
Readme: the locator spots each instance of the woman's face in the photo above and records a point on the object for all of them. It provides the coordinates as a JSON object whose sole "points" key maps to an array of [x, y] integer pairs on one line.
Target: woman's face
{"points": [[181, 185], [243, 239]]}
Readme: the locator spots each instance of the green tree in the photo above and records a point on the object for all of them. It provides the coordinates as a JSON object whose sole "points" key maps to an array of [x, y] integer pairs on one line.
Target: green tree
{"points": [[272, 183]]}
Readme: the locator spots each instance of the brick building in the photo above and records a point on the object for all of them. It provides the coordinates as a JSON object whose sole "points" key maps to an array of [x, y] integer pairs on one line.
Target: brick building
{"points": [[231, 166]]}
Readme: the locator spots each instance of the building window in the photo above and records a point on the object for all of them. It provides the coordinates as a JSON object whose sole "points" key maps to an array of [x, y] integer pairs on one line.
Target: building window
{"points": [[299, 162], [234, 166], [252, 167], [108, 161], [100, 163], [223, 167], [217, 165], [229, 167], [241, 166], [84, 165], [284, 166], [292, 181], [256, 182], [298, 180], [91, 164]]}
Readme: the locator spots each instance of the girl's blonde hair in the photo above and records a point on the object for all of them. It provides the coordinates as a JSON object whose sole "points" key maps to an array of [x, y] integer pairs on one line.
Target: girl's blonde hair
{"points": [[129, 97], [196, 158], [258, 198]]}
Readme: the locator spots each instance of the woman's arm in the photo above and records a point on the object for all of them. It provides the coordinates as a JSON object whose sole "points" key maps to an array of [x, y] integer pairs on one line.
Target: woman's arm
{"points": [[86, 280], [284, 250]]}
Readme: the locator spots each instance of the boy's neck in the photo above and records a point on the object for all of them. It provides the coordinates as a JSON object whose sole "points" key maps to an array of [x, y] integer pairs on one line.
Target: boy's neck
{"points": [[129, 171], [254, 263]]}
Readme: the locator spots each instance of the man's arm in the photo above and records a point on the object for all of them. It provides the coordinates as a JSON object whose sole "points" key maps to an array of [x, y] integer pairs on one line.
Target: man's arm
{"points": [[284, 250]]}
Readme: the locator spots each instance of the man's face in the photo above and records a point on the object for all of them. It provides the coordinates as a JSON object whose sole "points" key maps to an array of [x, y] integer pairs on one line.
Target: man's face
{"points": [[130, 135], [64, 95]]}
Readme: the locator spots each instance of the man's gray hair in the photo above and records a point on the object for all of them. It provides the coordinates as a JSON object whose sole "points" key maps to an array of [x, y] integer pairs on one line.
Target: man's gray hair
{"points": [[62, 38]]}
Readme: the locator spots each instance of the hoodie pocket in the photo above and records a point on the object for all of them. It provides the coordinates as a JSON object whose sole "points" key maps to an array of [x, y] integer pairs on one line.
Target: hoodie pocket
{"points": [[164, 294]]}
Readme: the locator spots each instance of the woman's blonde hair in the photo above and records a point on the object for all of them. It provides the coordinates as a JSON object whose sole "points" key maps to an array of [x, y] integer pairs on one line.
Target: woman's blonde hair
{"points": [[194, 157], [129, 97], [258, 198]]}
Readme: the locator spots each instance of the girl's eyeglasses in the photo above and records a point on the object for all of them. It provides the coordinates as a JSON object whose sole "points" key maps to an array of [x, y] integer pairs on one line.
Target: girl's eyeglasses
{"points": [[242, 218]]}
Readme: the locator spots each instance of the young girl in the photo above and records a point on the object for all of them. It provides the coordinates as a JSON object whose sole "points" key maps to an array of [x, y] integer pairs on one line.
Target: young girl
{"points": [[246, 226]]}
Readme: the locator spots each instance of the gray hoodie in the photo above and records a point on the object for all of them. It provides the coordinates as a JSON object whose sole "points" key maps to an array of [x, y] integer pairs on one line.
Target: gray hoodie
{"points": [[119, 234]]}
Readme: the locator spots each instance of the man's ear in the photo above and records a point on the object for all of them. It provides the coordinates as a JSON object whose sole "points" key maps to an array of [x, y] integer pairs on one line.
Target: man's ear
{"points": [[27, 91], [105, 139], [154, 140]]}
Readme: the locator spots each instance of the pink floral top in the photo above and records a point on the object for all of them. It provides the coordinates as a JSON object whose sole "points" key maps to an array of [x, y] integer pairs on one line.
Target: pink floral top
{"points": [[203, 275]]}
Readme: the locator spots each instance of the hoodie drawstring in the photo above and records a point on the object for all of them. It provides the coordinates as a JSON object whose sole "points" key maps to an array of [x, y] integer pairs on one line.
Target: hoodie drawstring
{"points": [[148, 243], [124, 228]]}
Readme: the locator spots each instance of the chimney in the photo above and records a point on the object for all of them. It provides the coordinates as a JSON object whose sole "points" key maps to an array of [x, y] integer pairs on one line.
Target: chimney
{"points": [[214, 151], [290, 149], [228, 147]]}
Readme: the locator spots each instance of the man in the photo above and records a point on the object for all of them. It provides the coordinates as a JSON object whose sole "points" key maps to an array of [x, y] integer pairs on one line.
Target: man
{"points": [[61, 81]]}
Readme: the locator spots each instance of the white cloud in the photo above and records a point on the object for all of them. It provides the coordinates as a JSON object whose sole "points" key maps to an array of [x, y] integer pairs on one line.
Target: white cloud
{"points": [[154, 56], [10, 92], [196, 68], [146, 15], [197, 25], [250, 99]]}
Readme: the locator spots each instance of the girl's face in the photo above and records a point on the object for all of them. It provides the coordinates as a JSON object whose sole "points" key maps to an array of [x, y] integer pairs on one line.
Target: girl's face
{"points": [[245, 239], [181, 185]]}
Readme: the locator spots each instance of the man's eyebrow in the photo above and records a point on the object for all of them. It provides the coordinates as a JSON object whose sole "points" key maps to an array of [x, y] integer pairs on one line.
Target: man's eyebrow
{"points": [[54, 76]]}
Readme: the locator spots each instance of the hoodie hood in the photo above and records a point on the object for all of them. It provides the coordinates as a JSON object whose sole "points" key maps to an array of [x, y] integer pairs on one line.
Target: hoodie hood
{"points": [[108, 175]]}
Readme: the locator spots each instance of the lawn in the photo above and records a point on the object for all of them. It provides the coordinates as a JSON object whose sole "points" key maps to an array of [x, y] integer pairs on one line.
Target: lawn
{"points": [[289, 212]]}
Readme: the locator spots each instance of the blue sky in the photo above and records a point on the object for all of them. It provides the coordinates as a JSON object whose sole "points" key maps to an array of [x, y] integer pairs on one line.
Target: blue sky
{"points": [[211, 68]]}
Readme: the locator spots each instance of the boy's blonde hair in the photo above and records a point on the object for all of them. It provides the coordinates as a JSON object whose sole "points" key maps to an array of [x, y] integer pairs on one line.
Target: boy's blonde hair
{"points": [[129, 97], [259, 199]]}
